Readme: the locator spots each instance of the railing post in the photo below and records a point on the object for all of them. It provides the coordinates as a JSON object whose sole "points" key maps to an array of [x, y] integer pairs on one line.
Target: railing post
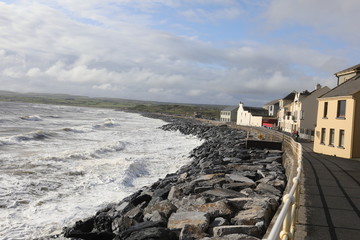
{"points": [[286, 234], [295, 205]]}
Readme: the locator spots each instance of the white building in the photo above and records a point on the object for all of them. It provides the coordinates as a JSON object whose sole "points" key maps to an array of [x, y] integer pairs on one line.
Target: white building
{"points": [[250, 116]]}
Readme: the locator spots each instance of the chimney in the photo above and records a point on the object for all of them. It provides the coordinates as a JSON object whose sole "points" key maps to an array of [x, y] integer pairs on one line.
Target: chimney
{"points": [[318, 86]]}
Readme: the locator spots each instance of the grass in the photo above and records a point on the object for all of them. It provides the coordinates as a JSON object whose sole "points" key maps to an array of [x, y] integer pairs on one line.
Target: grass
{"points": [[205, 111]]}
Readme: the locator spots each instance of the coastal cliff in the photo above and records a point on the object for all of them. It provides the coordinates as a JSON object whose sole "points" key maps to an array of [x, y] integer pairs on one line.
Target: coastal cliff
{"points": [[226, 192]]}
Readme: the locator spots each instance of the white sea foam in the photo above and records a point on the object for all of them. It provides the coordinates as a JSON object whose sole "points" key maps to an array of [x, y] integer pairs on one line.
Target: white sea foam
{"points": [[31, 118], [58, 176]]}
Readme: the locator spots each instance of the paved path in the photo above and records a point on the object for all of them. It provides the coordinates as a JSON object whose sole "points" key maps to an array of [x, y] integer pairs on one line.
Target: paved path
{"points": [[330, 206]]}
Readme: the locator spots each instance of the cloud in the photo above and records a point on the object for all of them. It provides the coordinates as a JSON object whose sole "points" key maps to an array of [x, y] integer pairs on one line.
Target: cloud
{"points": [[114, 49], [334, 18], [202, 15]]}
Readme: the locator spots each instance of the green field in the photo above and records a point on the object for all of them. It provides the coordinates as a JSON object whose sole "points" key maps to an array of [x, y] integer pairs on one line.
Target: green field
{"points": [[203, 110]]}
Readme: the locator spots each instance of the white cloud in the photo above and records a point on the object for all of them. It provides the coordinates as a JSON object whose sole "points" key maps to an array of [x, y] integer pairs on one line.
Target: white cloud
{"points": [[335, 18], [101, 48]]}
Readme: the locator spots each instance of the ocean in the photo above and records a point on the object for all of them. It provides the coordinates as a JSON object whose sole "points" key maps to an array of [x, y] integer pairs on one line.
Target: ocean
{"points": [[60, 164]]}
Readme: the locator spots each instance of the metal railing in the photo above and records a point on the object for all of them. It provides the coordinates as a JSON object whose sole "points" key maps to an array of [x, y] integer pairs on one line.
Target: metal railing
{"points": [[285, 225]]}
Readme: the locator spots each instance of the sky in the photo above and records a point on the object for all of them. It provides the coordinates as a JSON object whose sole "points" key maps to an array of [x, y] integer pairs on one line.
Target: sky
{"points": [[183, 51]]}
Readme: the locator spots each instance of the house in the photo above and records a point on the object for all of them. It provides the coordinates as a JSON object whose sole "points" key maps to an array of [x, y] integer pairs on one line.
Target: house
{"points": [[284, 112], [229, 114], [252, 116], [305, 112], [337, 129], [272, 107], [346, 74]]}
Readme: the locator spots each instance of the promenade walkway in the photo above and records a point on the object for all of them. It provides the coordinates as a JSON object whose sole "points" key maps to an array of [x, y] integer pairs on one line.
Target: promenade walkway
{"points": [[330, 205]]}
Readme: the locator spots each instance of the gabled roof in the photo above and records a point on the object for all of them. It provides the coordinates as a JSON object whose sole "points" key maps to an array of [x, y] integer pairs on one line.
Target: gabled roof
{"points": [[257, 111], [273, 102], [230, 108], [347, 88], [350, 69], [290, 96]]}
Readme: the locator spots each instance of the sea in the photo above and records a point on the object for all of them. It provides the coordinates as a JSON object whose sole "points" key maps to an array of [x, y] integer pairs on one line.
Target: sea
{"points": [[60, 164]]}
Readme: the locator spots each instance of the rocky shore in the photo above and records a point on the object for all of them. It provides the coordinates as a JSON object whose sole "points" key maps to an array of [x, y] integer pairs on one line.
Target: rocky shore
{"points": [[226, 192]]}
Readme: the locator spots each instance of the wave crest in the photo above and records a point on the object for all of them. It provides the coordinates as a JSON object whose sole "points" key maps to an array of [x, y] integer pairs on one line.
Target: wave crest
{"points": [[31, 118], [108, 123], [135, 170]]}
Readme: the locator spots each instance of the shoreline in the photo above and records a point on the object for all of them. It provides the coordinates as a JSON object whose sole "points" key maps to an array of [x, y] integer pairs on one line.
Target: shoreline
{"points": [[226, 192]]}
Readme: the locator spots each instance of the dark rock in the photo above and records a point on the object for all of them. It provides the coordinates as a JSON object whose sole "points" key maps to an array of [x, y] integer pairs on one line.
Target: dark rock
{"points": [[158, 233], [89, 235], [191, 232], [122, 223], [103, 222], [218, 194], [141, 227], [165, 207]]}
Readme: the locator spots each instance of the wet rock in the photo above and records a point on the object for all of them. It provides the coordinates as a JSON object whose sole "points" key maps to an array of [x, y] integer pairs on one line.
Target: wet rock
{"points": [[102, 222], [89, 235]]}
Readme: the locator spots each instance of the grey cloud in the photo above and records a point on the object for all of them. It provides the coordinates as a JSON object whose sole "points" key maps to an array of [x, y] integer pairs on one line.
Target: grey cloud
{"points": [[45, 50]]}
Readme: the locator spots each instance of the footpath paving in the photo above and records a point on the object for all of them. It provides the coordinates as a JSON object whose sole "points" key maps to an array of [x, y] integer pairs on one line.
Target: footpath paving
{"points": [[330, 205]]}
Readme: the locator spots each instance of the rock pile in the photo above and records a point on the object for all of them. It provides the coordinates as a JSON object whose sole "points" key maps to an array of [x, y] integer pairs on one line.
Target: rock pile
{"points": [[226, 192]]}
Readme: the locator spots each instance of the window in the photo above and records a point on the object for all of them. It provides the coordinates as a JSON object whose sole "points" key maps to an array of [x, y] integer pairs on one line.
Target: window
{"points": [[302, 115], [325, 109], [341, 109], [341, 138], [323, 132], [331, 138]]}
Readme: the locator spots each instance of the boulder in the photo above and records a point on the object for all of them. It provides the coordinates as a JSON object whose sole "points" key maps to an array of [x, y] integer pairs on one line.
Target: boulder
{"points": [[190, 232], [238, 186], [252, 216], [198, 219], [236, 229], [263, 187], [165, 207], [158, 233], [214, 209], [232, 237], [217, 194], [219, 221]]}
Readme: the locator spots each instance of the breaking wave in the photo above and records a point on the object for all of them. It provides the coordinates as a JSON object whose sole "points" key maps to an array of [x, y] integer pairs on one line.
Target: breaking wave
{"points": [[108, 123], [97, 153], [74, 130], [31, 136], [37, 135], [31, 118], [135, 170]]}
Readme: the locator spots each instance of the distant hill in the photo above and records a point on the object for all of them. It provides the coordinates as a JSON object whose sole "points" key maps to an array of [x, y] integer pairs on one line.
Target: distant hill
{"points": [[203, 110]]}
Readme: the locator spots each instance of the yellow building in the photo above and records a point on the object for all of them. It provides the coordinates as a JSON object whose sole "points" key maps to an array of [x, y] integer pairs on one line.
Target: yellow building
{"points": [[337, 129]]}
